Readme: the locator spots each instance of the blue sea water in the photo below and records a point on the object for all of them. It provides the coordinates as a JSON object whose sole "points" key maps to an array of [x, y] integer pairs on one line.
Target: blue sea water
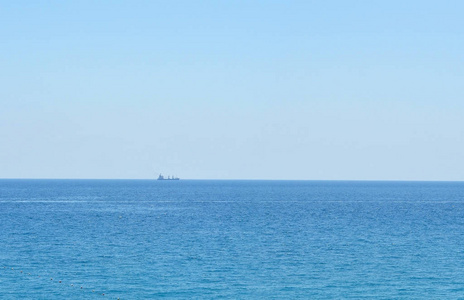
{"points": [[144, 239]]}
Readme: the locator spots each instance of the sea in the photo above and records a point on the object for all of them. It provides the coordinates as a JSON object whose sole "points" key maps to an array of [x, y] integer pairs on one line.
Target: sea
{"points": [[221, 239]]}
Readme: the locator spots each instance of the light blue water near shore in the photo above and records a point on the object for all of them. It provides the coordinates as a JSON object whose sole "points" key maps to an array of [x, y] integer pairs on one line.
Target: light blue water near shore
{"points": [[139, 239]]}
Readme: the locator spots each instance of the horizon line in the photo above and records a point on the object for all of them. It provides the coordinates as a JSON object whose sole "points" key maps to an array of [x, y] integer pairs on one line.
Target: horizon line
{"points": [[244, 179]]}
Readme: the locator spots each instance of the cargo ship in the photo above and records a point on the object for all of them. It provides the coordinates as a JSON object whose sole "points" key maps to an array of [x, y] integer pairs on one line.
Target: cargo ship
{"points": [[161, 177]]}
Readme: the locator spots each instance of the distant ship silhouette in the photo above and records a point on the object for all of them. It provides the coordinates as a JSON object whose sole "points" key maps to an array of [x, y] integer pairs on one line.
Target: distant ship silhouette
{"points": [[161, 177]]}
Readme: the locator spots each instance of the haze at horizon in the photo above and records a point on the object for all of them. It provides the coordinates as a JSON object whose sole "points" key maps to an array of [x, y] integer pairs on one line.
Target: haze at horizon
{"points": [[328, 90]]}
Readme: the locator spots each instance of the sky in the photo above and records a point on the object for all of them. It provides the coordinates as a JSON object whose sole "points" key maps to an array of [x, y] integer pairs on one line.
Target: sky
{"points": [[307, 90]]}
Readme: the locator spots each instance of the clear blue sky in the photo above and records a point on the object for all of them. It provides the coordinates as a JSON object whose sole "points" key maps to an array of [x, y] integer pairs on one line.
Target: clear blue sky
{"points": [[368, 90]]}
